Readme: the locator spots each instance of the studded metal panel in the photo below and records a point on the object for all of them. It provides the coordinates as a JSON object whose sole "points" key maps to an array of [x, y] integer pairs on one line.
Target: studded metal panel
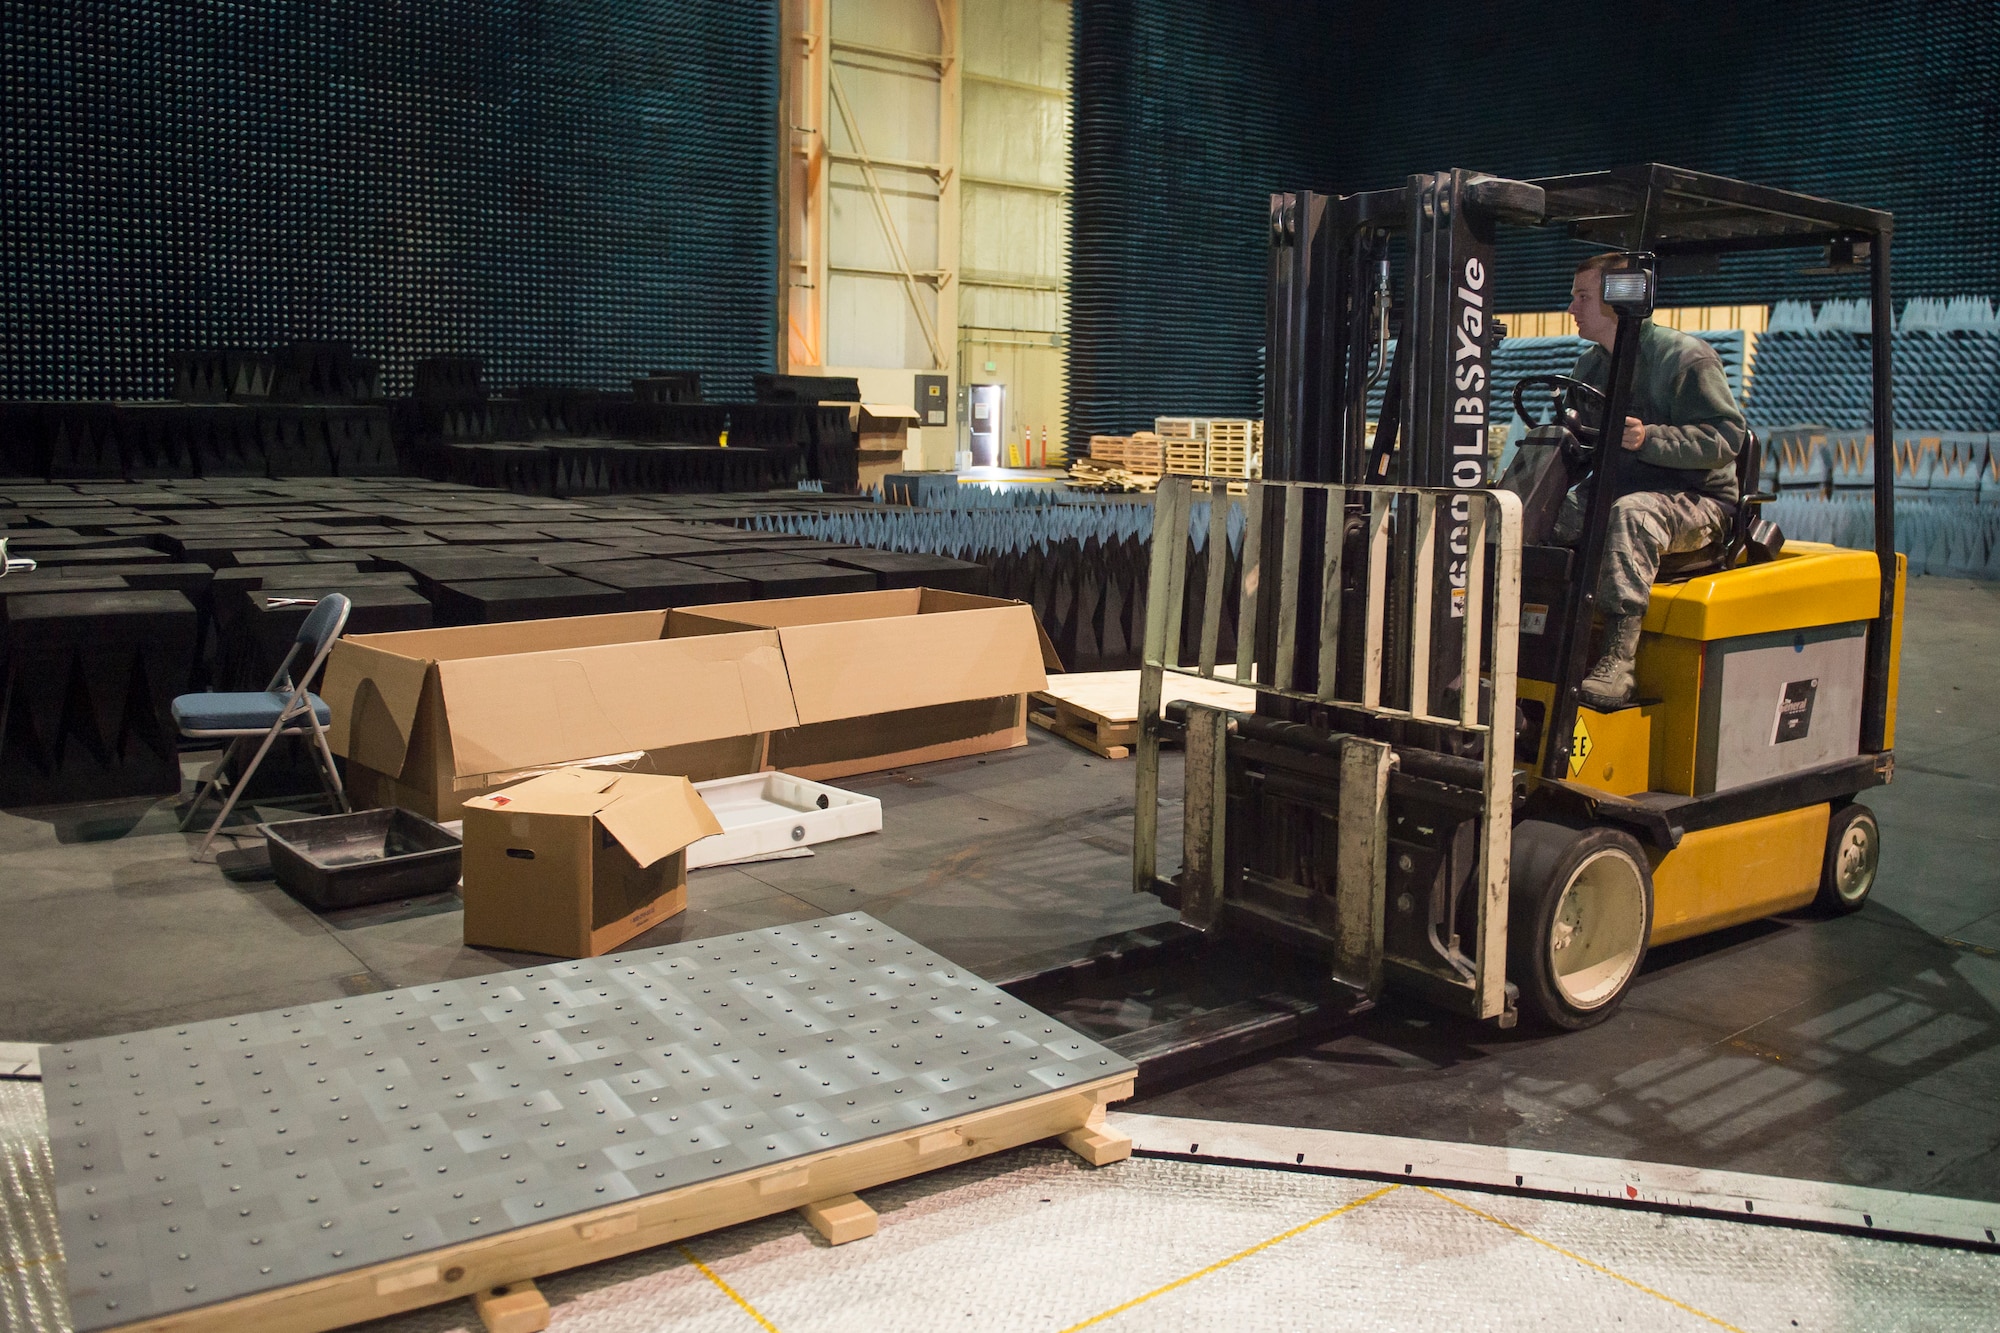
{"points": [[201, 1163]]}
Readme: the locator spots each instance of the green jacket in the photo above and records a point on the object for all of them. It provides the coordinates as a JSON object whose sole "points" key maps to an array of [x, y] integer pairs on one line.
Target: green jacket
{"points": [[1693, 424]]}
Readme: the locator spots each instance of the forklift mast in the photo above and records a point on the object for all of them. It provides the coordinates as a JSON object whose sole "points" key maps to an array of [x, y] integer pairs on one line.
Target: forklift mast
{"points": [[1329, 316]]}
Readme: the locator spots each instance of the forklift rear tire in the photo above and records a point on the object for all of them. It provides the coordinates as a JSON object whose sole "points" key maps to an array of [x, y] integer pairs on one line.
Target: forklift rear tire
{"points": [[1580, 912], [1853, 852]]}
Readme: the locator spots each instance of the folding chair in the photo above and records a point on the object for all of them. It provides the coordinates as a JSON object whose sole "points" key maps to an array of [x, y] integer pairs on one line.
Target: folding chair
{"points": [[282, 707]]}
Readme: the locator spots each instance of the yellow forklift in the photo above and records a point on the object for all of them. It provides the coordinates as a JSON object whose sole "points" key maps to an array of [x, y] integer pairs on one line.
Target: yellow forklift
{"points": [[1420, 799]]}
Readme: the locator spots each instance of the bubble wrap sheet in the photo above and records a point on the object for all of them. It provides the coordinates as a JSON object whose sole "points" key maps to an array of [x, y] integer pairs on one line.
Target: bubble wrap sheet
{"points": [[31, 1283]]}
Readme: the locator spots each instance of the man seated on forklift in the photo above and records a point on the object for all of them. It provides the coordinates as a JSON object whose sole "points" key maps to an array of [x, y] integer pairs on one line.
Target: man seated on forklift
{"points": [[1681, 490]]}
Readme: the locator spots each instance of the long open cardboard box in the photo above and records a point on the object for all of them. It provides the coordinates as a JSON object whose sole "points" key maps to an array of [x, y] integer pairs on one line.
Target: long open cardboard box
{"points": [[823, 687], [428, 719], [883, 679]]}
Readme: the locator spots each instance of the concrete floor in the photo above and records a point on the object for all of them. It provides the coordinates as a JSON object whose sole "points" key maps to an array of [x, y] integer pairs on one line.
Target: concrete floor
{"points": [[108, 927], [1864, 1050]]}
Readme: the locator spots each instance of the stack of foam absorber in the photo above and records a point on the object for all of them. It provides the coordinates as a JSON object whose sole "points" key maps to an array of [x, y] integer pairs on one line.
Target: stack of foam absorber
{"points": [[1516, 359], [1082, 565], [943, 490], [1814, 367], [1817, 366]]}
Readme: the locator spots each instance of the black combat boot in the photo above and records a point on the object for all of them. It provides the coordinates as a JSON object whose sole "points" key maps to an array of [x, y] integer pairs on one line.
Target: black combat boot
{"points": [[1611, 683]]}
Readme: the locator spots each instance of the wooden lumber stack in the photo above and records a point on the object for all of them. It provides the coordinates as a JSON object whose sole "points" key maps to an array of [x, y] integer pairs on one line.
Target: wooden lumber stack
{"points": [[1097, 474]]}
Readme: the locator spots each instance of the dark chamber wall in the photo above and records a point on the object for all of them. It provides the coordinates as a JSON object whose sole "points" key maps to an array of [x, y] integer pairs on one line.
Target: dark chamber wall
{"points": [[576, 192], [1894, 104], [1186, 117]]}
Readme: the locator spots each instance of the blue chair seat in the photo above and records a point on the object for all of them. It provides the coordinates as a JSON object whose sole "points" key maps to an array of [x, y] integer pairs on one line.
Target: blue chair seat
{"points": [[252, 710]]}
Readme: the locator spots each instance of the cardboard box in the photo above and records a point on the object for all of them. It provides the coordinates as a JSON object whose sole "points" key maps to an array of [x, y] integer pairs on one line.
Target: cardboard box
{"points": [[884, 679], [576, 862], [427, 719], [882, 438]]}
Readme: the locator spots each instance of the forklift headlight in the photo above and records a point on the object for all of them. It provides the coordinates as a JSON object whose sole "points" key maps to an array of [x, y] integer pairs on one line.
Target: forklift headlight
{"points": [[1630, 290]]}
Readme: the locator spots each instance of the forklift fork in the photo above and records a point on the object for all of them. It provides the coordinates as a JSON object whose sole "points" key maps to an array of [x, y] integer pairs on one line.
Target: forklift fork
{"points": [[1359, 815]]}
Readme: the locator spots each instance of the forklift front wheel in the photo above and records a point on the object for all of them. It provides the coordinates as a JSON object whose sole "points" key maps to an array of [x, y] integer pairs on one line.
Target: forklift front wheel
{"points": [[1853, 850], [1580, 913]]}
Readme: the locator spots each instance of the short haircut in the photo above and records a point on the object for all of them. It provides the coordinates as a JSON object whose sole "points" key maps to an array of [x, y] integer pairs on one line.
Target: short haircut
{"points": [[1604, 263]]}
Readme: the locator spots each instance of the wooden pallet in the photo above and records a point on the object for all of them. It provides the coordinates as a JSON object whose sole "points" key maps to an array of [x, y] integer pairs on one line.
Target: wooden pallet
{"points": [[1211, 446], [1230, 431], [1103, 739], [1185, 441], [1135, 453], [498, 1271], [1228, 460], [1099, 710]]}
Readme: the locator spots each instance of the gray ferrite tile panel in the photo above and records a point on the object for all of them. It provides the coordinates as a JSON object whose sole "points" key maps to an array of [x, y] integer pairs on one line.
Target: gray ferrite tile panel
{"points": [[202, 1163]]}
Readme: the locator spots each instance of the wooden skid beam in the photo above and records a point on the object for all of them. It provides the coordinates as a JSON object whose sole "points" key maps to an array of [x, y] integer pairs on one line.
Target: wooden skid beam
{"points": [[841, 1219], [1099, 1147], [475, 1268], [1096, 1142], [518, 1307]]}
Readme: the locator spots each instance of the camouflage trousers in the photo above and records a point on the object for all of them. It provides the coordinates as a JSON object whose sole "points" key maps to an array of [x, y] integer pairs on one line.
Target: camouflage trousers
{"points": [[1645, 526]]}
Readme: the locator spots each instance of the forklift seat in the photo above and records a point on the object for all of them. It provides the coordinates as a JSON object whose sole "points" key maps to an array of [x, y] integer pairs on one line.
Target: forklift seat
{"points": [[1744, 530]]}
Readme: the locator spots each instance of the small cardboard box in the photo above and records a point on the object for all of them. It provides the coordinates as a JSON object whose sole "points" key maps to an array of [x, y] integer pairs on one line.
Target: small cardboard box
{"points": [[884, 679], [427, 719], [882, 434], [576, 862]]}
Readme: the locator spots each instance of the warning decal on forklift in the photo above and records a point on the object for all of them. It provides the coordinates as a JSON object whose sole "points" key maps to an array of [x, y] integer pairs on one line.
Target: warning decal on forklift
{"points": [[1534, 618], [1579, 748], [1795, 711]]}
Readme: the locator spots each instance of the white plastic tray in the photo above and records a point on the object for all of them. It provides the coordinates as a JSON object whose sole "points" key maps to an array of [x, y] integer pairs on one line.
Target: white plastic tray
{"points": [[769, 815]]}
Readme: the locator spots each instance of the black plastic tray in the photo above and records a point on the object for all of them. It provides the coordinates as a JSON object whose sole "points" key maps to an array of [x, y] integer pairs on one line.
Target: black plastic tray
{"points": [[371, 856]]}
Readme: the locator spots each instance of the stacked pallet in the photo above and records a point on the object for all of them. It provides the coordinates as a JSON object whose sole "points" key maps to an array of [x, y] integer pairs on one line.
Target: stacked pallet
{"points": [[1212, 446], [1231, 446], [1185, 442], [1140, 453]]}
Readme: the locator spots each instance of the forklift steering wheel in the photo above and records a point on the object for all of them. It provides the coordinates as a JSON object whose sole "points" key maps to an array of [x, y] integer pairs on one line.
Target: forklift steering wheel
{"points": [[1567, 395], [1560, 387]]}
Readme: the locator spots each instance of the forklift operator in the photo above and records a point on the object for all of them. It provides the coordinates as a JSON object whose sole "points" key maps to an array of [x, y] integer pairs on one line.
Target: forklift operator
{"points": [[1678, 494]]}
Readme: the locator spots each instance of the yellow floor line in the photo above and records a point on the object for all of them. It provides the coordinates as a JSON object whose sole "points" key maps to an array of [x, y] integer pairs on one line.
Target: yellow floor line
{"points": [[26, 1264], [1587, 1263], [1221, 1264], [728, 1291]]}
